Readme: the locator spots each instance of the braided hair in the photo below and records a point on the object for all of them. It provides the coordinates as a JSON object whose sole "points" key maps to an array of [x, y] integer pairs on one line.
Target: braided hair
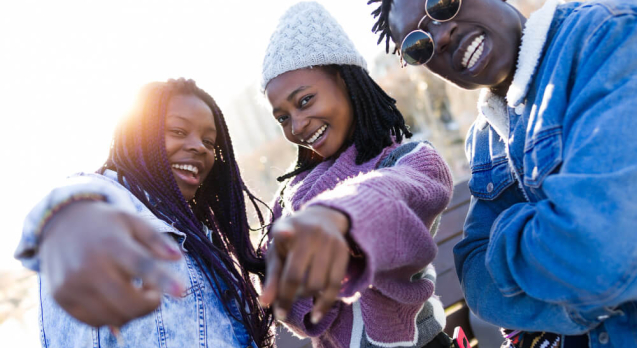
{"points": [[376, 116], [138, 155], [381, 27]]}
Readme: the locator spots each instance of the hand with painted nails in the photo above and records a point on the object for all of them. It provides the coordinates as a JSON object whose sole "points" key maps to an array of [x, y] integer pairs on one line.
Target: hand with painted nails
{"points": [[307, 257], [91, 252]]}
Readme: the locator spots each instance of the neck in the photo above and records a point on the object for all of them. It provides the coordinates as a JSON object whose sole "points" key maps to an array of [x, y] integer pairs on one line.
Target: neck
{"points": [[502, 89]]}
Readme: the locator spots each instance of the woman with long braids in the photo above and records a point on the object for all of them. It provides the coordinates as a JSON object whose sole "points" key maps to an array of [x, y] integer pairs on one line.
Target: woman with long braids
{"points": [[104, 280], [351, 244]]}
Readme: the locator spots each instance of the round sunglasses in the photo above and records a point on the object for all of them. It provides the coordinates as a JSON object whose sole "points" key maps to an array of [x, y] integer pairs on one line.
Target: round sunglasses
{"points": [[418, 46]]}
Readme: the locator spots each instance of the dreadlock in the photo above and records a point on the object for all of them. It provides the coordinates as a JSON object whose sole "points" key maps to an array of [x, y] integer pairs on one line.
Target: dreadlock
{"points": [[381, 26], [138, 155], [376, 115]]}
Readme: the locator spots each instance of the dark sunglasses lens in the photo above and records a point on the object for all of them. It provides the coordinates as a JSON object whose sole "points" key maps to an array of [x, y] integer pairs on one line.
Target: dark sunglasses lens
{"points": [[417, 48], [442, 10]]}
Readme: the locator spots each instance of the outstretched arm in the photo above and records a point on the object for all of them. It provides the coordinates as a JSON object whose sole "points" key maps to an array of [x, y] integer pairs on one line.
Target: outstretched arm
{"points": [[88, 252], [379, 222]]}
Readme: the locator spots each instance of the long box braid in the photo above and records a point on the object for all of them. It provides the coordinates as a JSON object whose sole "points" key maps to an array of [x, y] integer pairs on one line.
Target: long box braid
{"points": [[138, 155]]}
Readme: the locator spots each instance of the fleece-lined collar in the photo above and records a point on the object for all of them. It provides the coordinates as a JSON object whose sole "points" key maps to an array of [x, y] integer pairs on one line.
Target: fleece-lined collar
{"points": [[493, 107]]}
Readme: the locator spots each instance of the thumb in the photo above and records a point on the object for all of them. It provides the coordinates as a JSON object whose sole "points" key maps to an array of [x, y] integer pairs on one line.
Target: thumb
{"points": [[272, 276], [158, 244], [283, 235]]}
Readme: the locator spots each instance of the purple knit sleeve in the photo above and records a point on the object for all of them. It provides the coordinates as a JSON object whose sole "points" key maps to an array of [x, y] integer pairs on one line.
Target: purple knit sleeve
{"points": [[298, 319], [391, 211]]}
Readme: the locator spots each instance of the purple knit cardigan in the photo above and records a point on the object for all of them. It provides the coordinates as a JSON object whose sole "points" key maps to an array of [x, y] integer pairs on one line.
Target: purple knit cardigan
{"points": [[391, 212]]}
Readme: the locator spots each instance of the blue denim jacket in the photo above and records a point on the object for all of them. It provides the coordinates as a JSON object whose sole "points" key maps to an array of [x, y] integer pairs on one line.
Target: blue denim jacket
{"points": [[551, 236], [196, 319]]}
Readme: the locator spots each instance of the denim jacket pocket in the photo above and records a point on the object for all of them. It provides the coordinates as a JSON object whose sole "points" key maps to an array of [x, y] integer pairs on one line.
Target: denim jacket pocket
{"points": [[542, 155], [180, 319], [188, 273], [490, 179]]}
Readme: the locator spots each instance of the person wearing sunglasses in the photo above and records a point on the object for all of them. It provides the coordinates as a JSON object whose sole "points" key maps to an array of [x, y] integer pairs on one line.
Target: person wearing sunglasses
{"points": [[549, 247]]}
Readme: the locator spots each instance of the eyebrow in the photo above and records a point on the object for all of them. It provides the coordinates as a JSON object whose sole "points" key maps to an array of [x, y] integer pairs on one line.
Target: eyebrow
{"points": [[291, 96], [214, 129]]}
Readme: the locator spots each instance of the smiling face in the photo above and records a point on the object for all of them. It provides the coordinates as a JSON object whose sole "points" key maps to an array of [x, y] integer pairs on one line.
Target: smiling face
{"points": [[190, 136], [313, 108], [478, 48]]}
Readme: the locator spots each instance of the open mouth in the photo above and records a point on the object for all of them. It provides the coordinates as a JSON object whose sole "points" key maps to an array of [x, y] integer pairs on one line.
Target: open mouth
{"points": [[187, 173], [473, 52], [317, 135]]}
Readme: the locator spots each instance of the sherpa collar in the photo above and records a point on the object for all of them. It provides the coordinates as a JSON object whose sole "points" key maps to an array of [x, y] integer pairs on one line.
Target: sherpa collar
{"points": [[493, 107]]}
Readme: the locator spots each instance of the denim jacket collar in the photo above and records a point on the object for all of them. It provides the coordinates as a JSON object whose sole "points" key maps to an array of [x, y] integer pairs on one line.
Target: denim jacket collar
{"points": [[493, 108]]}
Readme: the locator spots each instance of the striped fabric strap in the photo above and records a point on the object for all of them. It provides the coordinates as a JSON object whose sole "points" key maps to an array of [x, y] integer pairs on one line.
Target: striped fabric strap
{"points": [[524, 339]]}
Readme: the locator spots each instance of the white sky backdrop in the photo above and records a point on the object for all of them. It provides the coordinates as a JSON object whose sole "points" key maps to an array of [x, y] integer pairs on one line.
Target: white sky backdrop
{"points": [[69, 69]]}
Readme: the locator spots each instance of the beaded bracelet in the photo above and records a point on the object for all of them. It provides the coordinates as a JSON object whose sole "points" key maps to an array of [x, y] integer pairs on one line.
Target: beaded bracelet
{"points": [[61, 205]]}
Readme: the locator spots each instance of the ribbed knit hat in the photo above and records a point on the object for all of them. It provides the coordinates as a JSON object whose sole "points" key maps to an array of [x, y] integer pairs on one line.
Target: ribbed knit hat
{"points": [[307, 35]]}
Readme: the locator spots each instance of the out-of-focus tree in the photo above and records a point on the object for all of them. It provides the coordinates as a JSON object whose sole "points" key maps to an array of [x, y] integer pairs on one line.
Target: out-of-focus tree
{"points": [[435, 110]]}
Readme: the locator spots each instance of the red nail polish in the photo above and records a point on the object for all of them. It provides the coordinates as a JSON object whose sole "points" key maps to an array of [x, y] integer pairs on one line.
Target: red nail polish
{"points": [[176, 289], [172, 250]]}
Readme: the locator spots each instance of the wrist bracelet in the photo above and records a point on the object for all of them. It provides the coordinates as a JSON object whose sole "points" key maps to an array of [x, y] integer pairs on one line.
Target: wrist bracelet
{"points": [[50, 212]]}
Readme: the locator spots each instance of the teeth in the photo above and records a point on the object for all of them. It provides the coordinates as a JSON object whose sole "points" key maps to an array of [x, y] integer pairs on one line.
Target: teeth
{"points": [[316, 135], [473, 52], [187, 167]]}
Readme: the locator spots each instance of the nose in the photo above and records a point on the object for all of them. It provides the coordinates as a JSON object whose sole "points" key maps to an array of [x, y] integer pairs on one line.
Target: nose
{"points": [[299, 123], [442, 34], [195, 144]]}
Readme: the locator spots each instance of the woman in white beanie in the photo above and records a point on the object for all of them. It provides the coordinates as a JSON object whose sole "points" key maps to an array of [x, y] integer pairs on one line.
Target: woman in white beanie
{"points": [[352, 236]]}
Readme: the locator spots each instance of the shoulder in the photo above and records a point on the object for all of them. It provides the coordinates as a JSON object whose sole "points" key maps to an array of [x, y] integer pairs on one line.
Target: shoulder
{"points": [[92, 179], [591, 16], [406, 151], [106, 185], [609, 7]]}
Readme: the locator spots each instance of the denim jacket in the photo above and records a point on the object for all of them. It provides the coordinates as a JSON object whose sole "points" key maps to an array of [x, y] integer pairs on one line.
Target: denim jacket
{"points": [[551, 236], [196, 319]]}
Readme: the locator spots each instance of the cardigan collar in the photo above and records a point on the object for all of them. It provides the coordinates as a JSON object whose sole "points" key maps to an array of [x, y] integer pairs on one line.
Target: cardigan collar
{"points": [[326, 176]]}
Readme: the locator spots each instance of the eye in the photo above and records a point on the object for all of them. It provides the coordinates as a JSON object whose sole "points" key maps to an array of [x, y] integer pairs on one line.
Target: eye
{"points": [[282, 119], [209, 143], [305, 100], [177, 131]]}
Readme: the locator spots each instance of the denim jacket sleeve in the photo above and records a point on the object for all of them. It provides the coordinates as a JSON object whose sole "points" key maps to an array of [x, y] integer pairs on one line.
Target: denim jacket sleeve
{"points": [[579, 241], [80, 184], [520, 311]]}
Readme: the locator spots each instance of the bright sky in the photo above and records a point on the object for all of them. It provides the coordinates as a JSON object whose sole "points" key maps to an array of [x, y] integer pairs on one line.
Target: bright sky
{"points": [[69, 69]]}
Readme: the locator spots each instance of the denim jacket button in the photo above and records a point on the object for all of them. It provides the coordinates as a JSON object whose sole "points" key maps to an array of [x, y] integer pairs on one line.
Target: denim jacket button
{"points": [[490, 187], [603, 338], [519, 109]]}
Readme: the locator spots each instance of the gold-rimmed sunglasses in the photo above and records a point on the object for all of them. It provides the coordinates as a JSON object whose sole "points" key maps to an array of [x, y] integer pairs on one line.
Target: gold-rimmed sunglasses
{"points": [[418, 46]]}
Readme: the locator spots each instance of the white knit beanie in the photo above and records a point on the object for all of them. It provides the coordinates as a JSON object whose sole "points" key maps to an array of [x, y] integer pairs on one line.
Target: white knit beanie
{"points": [[307, 35]]}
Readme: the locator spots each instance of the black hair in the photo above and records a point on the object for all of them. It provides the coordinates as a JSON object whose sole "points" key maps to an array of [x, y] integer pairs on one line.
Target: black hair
{"points": [[381, 27], [376, 118], [138, 155]]}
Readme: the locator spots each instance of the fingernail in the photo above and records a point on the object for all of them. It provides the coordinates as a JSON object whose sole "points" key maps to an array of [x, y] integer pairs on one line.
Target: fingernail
{"points": [[262, 302], [118, 335], [316, 317], [173, 251], [176, 289], [280, 313]]}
